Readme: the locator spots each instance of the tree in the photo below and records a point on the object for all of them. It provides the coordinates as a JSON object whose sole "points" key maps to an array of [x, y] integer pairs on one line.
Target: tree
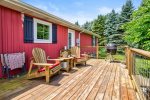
{"points": [[137, 31], [111, 27], [98, 27], [77, 23], [124, 17], [126, 12], [87, 25]]}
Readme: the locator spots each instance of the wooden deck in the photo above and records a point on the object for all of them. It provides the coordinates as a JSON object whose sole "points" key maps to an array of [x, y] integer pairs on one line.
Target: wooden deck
{"points": [[99, 80]]}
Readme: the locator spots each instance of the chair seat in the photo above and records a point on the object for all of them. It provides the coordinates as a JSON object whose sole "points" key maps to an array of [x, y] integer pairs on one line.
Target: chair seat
{"points": [[50, 67], [81, 59]]}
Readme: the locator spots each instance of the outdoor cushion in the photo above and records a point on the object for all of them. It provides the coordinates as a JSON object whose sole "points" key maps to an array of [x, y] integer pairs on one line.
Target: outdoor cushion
{"points": [[51, 67]]}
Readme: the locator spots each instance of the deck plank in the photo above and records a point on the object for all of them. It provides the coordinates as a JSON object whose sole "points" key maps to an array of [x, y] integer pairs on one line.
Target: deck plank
{"points": [[51, 87], [47, 91], [116, 90], [82, 91], [104, 84], [71, 84], [95, 89], [100, 80], [124, 90], [71, 91], [110, 86]]}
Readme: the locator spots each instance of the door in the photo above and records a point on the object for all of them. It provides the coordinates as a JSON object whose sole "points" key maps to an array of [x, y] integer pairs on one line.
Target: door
{"points": [[71, 38]]}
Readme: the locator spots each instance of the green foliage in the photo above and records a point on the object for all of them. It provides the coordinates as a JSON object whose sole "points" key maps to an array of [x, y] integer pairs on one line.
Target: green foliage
{"points": [[98, 27], [77, 23], [124, 17], [42, 31], [126, 12], [111, 27], [87, 25], [138, 29]]}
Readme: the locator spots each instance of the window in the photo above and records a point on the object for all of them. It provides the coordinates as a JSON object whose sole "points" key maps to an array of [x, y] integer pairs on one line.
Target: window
{"points": [[42, 31], [93, 41]]}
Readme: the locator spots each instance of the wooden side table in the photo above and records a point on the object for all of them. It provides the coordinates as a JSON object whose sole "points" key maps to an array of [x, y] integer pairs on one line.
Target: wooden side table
{"points": [[69, 61]]}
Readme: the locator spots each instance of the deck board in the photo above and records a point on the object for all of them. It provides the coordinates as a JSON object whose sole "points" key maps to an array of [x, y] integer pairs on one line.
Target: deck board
{"points": [[100, 80]]}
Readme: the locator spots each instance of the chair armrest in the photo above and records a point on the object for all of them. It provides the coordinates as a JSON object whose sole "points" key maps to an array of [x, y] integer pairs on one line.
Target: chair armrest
{"points": [[42, 64], [55, 59]]}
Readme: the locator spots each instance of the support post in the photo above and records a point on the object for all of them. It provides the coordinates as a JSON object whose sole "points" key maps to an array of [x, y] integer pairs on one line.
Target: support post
{"points": [[130, 61], [97, 52], [97, 49]]}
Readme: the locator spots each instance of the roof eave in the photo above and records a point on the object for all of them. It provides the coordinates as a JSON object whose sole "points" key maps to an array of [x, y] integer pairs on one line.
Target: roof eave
{"points": [[49, 17]]}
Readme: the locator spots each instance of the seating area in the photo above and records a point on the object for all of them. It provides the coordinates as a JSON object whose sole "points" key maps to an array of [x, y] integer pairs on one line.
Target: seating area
{"points": [[49, 67]]}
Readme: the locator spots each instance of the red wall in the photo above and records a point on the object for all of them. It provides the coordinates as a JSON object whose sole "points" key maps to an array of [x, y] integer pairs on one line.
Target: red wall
{"points": [[11, 36], [86, 40]]}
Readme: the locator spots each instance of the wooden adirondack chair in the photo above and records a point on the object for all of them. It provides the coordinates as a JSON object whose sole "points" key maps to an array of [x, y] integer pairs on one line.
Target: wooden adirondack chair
{"points": [[79, 58], [44, 68]]}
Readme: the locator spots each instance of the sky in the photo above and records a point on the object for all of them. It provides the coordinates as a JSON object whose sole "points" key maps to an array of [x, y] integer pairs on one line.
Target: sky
{"points": [[80, 10]]}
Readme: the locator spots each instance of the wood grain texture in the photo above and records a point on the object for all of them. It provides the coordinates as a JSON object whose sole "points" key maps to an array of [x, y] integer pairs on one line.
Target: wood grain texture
{"points": [[99, 80]]}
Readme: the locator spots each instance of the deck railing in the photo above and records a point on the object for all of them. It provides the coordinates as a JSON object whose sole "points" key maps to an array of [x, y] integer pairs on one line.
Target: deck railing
{"points": [[138, 64], [101, 53]]}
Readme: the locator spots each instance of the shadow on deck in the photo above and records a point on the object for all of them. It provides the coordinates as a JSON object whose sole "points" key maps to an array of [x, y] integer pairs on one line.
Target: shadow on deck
{"points": [[100, 80]]}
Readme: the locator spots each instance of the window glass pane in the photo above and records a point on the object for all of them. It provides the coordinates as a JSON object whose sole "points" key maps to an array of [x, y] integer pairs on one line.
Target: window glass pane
{"points": [[46, 28], [69, 40], [46, 36], [42, 31], [39, 35], [39, 27]]}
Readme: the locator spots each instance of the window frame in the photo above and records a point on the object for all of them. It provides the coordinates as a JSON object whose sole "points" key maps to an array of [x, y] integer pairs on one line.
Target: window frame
{"points": [[36, 40]]}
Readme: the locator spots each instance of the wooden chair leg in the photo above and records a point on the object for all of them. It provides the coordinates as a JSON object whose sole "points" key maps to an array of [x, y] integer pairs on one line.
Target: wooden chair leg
{"points": [[30, 69], [47, 72]]}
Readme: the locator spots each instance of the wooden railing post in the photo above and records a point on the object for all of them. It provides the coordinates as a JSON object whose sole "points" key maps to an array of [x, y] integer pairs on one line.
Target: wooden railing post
{"points": [[126, 55], [129, 60], [97, 51]]}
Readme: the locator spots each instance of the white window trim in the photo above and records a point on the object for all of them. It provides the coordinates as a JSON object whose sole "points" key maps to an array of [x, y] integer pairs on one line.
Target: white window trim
{"points": [[73, 37], [35, 31]]}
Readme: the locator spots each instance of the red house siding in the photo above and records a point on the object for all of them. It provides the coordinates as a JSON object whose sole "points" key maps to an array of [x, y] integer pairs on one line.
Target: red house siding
{"points": [[86, 40], [12, 37]]}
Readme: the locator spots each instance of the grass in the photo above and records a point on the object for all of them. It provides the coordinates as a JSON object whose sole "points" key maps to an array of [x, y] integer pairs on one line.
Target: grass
{"points": [[142, 67], [120, 56]]}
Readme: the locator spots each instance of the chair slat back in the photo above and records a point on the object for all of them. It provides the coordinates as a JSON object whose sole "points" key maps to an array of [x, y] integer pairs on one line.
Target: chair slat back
{"points": [[64, 54], [39, 55], [75, 51]]}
